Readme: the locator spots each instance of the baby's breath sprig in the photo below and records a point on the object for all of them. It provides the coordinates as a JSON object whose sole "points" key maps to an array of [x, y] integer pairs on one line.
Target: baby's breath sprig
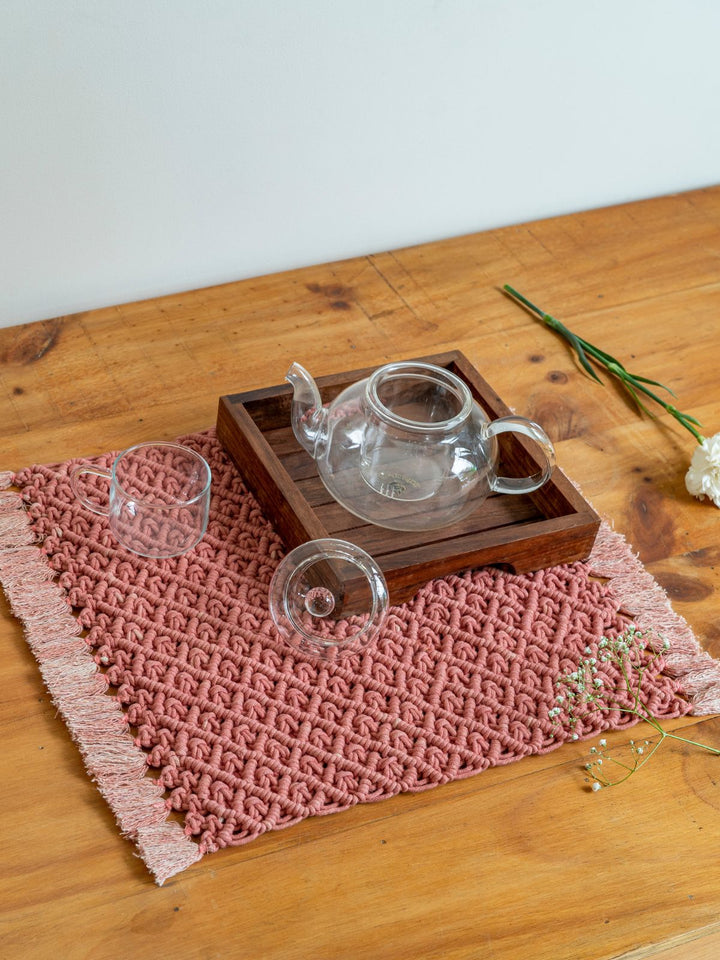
{"points": [[632, 382], [583, 691]]}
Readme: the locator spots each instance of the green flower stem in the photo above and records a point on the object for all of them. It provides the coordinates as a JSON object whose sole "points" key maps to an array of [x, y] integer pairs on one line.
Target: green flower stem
{"points": [[632, 382], [693, 743], [630, 770], [641, 713], [663, 733], [581, 692]]}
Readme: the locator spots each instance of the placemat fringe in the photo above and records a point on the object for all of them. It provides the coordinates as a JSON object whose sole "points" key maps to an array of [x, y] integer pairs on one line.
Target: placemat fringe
{"points": [[643, 597], [79, 691]]}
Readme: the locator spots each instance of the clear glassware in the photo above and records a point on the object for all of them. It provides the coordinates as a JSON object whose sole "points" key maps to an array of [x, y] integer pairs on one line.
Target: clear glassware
{"points": [[328, 598], [409, 448], [158, 501]]}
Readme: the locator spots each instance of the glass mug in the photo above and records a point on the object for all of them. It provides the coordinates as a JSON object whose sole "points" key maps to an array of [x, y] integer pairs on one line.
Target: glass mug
{"points": [[159, 498]]}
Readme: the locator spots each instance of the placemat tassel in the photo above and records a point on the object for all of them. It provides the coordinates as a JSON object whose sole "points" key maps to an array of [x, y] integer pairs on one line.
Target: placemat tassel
{"points": [[79, 691]]}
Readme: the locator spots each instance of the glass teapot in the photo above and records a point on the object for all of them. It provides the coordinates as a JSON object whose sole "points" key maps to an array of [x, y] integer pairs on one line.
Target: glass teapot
{"points": [[408, 447]]}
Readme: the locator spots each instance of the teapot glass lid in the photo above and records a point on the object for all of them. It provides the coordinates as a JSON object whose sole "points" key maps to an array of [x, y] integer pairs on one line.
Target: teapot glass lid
{"points": [[328, 598]]}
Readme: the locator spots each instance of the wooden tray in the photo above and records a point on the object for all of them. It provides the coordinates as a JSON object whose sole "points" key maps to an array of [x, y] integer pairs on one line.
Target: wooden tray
{"points": [[520, 532]]}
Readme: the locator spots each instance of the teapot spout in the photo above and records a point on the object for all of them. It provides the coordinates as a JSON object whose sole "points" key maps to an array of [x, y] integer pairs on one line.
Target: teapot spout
{"points": [[309, 417]]}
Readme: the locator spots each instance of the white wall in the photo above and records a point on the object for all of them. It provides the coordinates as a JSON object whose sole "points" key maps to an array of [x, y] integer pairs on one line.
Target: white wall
{"points": [[152, 146]]}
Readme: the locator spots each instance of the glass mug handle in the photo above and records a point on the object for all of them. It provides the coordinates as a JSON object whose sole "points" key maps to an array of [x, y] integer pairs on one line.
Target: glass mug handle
{"points": [[75, 475], [536, 433]]}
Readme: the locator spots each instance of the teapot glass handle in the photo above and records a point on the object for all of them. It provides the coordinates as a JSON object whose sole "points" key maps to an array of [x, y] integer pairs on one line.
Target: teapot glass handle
{"points": [[536, 433]]}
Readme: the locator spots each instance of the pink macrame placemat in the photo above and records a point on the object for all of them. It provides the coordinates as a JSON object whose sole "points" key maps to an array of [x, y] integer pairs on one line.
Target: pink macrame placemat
{"points": [[176, 665]]}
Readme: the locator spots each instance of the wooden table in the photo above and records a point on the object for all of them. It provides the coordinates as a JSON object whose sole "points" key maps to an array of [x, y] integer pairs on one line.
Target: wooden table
{"points": [[519, 861]]}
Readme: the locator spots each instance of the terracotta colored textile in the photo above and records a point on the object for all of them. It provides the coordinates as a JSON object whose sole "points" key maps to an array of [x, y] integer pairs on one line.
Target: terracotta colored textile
{"points": [[249, 736]]}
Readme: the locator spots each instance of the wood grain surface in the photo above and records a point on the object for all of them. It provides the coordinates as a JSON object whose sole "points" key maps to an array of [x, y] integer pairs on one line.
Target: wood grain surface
{"points": [[521, 861]]}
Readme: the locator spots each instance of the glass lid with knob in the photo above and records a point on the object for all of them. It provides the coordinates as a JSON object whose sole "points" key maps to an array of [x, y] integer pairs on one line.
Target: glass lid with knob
{"points": [[328, 598]]}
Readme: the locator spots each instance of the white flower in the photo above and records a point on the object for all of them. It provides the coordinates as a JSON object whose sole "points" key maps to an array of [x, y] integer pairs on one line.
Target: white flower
{"points": [[703, 477]]}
